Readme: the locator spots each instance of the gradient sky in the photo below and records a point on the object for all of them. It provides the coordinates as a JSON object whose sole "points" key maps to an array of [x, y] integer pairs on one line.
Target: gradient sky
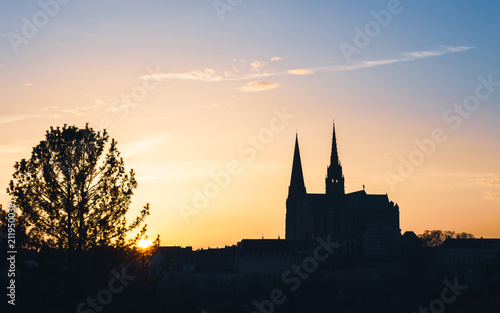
{"points": [[215, 79]]}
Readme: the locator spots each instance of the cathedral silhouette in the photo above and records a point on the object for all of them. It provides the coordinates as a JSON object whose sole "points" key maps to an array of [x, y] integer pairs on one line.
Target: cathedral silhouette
{"points": [[363, 224], [342, 252]]}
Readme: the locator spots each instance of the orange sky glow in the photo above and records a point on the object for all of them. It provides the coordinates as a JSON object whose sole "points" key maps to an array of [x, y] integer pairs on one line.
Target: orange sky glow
{"points": [[206, 111]]}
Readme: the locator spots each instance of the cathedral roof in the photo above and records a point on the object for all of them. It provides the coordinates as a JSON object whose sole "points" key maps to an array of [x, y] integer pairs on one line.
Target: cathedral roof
{"points": [[358, 200]]}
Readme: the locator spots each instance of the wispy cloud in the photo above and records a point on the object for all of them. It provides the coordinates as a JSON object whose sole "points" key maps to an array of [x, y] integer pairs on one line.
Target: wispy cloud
{"points": [[208, 75], [88, 107], [13, 148], [492, 195], [432, 53], [300, 71], [489, 180], [57, 43], [255, 66], [72, 111], [256, 69], [142, 146], [17, 117], [79, 110], [48, 108], [258, 86], [492, 182], [405, 57], [173, 171]]}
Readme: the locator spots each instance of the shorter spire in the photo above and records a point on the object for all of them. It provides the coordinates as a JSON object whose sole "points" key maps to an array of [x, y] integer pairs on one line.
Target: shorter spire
{"points": [[334, 177]]}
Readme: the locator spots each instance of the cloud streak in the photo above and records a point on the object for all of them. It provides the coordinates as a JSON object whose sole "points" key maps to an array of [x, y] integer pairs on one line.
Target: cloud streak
{"points": [[255, 66], [405, 57], [492, 182], [300, 71], [12, 149], [208, 75], [79, 110], [492, 195], [18, 117], [142, 146], [257, 70], [258, 86]]}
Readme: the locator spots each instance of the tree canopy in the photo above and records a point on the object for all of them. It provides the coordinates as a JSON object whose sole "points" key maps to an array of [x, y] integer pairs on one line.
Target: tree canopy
{"points": [[433, 238], [73, 195]]}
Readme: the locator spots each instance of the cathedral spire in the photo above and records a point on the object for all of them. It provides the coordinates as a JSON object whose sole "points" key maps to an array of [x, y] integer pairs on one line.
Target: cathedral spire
{"points": [[334, 178], [297, 179], [334, 156]]}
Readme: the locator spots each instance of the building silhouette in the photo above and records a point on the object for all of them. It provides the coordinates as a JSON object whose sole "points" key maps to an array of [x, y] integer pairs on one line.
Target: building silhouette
{"points": [[371, 266], [343, 253], [363, 224]]}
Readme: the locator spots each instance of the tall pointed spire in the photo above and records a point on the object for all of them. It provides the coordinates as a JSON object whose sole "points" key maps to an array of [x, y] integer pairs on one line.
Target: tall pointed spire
{"points": [[334, 156], [297, 179], [334, 179]]}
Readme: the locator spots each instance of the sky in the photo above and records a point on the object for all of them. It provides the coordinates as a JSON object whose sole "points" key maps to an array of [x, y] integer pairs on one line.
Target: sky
{"points": [[205, 99]]}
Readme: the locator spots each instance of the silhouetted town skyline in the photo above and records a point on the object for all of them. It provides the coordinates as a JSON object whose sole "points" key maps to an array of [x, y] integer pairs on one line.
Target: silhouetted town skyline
{"points": [[233, 156]]}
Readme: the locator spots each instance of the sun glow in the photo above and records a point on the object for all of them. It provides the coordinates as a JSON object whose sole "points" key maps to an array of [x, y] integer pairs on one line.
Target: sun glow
{"points": [[144, 243]]}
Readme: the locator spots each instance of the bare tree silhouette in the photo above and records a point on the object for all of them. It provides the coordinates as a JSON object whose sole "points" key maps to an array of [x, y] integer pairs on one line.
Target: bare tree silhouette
{"points": [[433, 238]]}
